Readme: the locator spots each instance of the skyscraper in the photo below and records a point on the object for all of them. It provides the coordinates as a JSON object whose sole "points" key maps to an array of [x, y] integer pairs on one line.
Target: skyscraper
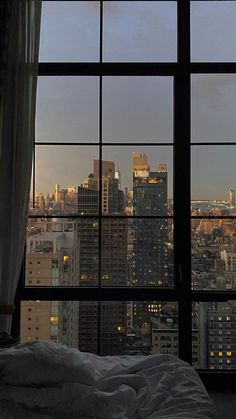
{"points": [[231, 197], [108, 169], [52, 260], [150, 244], [150, 260], [109, 317]]}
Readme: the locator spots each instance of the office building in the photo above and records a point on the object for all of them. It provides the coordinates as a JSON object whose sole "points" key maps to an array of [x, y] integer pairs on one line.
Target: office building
{"points": [[150, 246], [220, 336], [109, 317], [52, 260], [231, 198]]}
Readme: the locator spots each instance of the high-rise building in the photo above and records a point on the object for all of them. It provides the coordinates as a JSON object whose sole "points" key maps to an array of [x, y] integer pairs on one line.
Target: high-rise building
{"points": [[165, 335], [108, 169], [151, 235], [150, 248], [88, 199], [140, 165], [112, 196], [109, 317], [52, 260], [220, 332], [58, 196], [231, 198], [65, 200]]}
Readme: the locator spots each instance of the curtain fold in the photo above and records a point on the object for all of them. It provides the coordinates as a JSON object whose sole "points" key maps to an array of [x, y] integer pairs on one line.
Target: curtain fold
{"points": [[19, 47]]}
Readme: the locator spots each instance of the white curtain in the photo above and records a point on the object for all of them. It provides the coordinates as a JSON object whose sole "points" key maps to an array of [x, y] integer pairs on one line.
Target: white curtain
{"points": [[19, 47]]}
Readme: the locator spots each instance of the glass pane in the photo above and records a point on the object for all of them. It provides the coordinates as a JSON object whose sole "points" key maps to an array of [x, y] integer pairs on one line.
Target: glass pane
{"points": [[214, 253], [152, 254], [88, 236], [164, 326], [213, 107], [141, 181], [138, 109], [140, 31], [69, 31], [213, 31], [62, 252], [113, 324], [67, 109], [125, 327], [214, 339], [114, 252], [213, 177], [62, 174], [137, 252]]}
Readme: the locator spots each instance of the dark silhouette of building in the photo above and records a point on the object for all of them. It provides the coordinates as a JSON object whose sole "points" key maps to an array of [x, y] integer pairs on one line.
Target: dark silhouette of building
{"points": [[108, 317], [150, 249]]}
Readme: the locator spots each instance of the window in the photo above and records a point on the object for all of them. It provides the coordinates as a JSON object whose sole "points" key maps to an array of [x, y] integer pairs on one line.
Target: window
{"points": [[130, 118]]}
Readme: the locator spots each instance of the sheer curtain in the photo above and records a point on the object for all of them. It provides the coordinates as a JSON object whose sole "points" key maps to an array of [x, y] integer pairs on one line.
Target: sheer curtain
{"points": [[19, 45]]}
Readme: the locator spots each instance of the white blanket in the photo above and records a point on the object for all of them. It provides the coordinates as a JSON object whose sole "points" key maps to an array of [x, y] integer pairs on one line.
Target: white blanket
{"points": [[46, 380]]}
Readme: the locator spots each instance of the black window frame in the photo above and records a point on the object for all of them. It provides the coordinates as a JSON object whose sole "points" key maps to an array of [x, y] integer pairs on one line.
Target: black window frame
{"points": [[182, 293]]}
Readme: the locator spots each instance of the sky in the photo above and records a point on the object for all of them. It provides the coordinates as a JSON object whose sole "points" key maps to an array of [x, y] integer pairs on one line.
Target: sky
{"points": [[135, 109]]}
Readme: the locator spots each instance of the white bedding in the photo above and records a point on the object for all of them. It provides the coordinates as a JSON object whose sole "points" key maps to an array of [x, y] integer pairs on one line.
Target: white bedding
{"points": [[46, 380]]}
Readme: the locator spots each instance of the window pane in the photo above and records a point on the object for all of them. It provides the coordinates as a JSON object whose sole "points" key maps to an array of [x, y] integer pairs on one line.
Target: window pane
{"points": [[213, 176], [213, 107], [125, 327], [152, 253], [114, 257], [133, 182], [142, 182], [213, 31], [67, 109], [214, 342], [88, 236], [214, 253], [140, 31], [137, 252], [138, 109], [62, 173], [62, 252], [69, 31]]}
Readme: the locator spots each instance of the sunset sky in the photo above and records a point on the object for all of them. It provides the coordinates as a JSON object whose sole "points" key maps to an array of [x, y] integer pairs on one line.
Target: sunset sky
{"points": [[135, 109]]}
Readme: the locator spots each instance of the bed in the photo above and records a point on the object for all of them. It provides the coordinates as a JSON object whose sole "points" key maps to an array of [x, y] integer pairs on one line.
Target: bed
{"points": [[42, 380]]}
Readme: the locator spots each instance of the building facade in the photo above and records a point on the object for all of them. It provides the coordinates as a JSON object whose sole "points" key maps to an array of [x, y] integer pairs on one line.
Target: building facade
{"points": [[150, 244], [107, 317], [52, 259]]}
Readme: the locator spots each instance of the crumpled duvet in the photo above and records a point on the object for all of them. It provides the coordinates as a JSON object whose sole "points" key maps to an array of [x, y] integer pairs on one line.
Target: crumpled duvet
{"points": [[42, 380]]}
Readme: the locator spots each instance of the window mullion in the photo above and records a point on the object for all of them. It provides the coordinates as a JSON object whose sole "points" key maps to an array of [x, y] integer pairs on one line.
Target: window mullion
{"points": [[182, 209], [99, 308]]}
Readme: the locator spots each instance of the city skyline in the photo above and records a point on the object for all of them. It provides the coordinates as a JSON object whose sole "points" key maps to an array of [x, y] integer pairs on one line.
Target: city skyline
{"points": [[66, 179], [48, 164], [133, 253]]}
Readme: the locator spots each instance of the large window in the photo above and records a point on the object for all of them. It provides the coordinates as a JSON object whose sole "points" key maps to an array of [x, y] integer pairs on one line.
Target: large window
{"points": [[131, 243]]}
